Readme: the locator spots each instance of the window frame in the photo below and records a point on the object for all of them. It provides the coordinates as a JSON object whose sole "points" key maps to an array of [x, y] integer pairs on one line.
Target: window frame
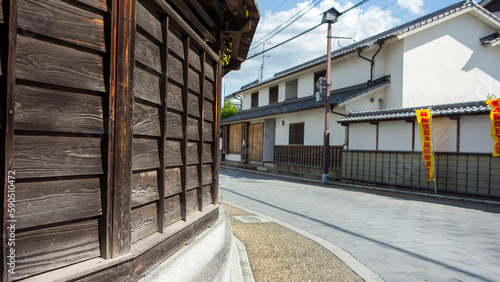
{"points": [[294, 137]]}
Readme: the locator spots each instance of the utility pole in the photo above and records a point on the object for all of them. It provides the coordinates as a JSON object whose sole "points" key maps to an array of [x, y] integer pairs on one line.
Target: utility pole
{"points": [[329, 17], [262, 65]]}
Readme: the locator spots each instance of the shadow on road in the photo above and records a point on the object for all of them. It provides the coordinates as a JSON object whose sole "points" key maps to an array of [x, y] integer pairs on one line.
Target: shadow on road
{"points": [[396, 193]]}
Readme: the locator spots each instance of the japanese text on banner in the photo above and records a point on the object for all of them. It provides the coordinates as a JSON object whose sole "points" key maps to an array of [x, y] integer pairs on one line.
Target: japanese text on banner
{"points": [[495, 125], [424, 123]]}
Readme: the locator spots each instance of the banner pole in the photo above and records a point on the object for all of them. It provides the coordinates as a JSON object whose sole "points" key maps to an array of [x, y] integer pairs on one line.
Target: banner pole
{"points": [[433, 156]]}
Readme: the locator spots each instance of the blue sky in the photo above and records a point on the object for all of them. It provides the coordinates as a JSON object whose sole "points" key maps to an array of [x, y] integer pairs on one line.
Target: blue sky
{"points": [[369, 19]]}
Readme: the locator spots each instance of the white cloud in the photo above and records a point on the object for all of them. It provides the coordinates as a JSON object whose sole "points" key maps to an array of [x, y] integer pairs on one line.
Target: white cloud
{"points": [[414, 6], [358, 24]]}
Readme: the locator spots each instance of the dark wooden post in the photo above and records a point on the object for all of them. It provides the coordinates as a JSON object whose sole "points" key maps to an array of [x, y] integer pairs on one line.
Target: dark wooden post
{"points": [[184, 143], [124, 100], [9, 40]]}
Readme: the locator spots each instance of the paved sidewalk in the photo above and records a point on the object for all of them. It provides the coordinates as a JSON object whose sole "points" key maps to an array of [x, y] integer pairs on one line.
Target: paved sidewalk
{"points": [[277, 253], [400, 237]]}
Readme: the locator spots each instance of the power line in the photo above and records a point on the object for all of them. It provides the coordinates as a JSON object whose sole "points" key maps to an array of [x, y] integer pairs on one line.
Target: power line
{"points": [[302, 33], [286, 41], [310, 5]]}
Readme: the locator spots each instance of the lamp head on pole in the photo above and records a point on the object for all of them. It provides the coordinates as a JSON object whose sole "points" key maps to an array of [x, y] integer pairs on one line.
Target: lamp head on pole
{"points": [[330, 16]]}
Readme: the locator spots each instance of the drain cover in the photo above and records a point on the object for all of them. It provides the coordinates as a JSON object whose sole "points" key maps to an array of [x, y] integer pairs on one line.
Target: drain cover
{"points": [[251, 219]]}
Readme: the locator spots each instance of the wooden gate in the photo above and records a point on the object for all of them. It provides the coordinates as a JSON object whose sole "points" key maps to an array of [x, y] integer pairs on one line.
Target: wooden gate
{"points": [[255, 136]]}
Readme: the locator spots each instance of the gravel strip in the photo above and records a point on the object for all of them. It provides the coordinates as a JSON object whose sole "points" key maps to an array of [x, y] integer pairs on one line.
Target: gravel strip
{"points": [[279, 254]]}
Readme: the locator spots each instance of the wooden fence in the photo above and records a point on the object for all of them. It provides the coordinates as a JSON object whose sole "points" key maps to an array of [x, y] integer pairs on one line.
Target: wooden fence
{"points": [[308, 156], [471, 174]]}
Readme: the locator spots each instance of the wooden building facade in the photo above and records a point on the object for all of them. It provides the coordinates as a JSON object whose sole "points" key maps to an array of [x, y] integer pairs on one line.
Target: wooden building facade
{"points": [[109, 115]]}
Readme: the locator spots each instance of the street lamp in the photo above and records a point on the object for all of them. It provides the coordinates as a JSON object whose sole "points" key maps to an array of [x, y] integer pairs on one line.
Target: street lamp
{"points": [[330, 16]]}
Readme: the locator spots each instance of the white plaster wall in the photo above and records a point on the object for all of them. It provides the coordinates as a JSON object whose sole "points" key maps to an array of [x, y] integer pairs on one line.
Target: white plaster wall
{"points": [[362, 136], [444, 135], [233, 157], [363, 103], [281, 92], [314, 127], [263, 96], [246, 103], [394, 67], [306, 85], [475, 134], [395, 136], [446, 63]]}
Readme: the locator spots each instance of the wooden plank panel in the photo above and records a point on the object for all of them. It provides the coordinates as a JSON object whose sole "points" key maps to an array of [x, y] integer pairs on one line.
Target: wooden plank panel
{"points": [[66, 245], [192, 129], [175, 43], [147, 52], [146, 86], [175, 70], [208, 90], [192, 177], [209, 71], [58, 19], [207, 174], [50, 63], [207, 195], [144, 188], [172, 181], [208, 132], [172, 210], [173, 153], [194, 58], [52, 156], [146, 120], [192, 153], [57, 111], [191, 201], [207, 153], [193, 105], [208, 111], [174, 97], [193, 81], [143, 221], [46, 202], [174, 125], [145, 154], [98, 4], [149, 20]]}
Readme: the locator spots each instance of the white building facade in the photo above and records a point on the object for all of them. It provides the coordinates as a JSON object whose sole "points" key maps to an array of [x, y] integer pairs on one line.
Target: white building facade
{"points": [[449, 56]]}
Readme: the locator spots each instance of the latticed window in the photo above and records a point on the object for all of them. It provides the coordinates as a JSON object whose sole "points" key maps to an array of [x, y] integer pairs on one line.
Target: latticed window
{"points": [[255, 100], [296, 134], [273, 94]]}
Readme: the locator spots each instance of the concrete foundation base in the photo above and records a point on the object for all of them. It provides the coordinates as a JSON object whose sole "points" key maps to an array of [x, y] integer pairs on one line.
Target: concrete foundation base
{"points": [[206, 258]]}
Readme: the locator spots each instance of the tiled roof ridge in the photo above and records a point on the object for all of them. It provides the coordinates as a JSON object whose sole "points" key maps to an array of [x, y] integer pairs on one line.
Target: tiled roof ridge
{"points": [[409, 109], [452, 109]]}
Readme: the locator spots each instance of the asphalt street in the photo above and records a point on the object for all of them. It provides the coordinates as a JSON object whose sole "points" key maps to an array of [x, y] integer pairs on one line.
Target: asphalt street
{"points": [[400, 237]]}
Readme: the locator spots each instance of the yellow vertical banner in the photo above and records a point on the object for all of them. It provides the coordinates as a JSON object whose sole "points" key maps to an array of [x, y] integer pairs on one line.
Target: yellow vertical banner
{"points": [[495, 125], [424, 124]]}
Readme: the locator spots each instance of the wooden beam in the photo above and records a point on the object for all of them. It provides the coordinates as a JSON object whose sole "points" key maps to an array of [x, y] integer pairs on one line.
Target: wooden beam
{"points": [[201, 123], [184, 142], [215, 151], [196, 4], [163, 118], [124, 101], [191, 17], [164, 8], [9, 57], [241, 25]]}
